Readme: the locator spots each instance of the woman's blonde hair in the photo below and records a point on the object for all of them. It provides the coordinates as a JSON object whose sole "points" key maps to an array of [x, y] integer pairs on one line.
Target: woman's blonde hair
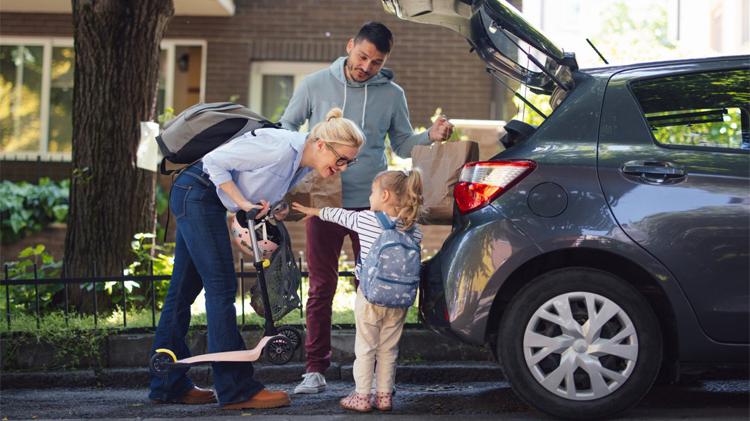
{"points": [[406, 186], [337, 129]]}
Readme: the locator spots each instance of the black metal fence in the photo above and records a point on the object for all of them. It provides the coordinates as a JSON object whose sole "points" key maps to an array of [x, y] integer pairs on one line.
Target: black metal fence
{"points": [[7, 283]]}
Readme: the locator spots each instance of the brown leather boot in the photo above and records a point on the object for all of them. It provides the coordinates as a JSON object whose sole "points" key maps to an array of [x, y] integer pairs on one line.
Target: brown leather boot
{"points": [[194, 396], [263, 399]]}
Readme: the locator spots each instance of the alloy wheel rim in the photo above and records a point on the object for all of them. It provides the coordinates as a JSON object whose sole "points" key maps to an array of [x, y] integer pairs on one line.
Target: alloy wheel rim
{"points": [[580, 346]]}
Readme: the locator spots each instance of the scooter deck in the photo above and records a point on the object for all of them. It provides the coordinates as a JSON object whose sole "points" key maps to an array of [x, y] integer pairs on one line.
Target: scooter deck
{"points": [[231, 356]]}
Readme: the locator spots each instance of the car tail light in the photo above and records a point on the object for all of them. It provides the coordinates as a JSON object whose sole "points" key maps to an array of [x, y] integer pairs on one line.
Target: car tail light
{"points": [[482, 182]]}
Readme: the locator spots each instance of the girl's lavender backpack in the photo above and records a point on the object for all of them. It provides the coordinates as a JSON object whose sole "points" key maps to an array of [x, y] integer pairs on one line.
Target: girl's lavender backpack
{"points": [[389, 275]]}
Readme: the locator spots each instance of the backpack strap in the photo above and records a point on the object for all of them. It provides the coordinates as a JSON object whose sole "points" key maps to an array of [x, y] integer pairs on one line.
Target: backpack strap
{"points": [[265, 124], [385, 221]]}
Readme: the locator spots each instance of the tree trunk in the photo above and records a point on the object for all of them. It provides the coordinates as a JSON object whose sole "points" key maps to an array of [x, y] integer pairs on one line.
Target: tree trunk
{"points": [[116, 72]]}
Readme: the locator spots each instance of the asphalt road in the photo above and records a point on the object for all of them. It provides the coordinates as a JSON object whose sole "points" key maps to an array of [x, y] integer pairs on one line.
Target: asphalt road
{"points": [[695, 398]]}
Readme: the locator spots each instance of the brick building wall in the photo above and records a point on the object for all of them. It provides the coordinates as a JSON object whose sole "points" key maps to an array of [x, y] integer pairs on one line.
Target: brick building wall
{"points": [[432, 64]]}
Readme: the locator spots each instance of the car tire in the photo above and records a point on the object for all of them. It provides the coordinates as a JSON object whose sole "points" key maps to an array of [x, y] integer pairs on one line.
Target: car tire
{"points": [[611, 367]]}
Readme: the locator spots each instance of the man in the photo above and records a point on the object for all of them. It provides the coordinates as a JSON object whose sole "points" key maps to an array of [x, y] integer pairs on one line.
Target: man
{"points": [[360, 85]]}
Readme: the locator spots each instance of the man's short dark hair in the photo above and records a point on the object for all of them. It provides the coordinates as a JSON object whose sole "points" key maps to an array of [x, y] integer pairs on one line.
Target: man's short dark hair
{"points": [[378, 34]]}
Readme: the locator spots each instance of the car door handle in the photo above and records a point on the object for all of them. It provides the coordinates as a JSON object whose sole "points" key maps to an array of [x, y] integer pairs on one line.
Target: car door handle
{"points": [[654, 171]]}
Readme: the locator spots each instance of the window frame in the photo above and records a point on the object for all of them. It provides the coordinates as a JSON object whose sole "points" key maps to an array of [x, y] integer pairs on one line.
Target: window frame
{"points": [[47, 44], [297, 69]]}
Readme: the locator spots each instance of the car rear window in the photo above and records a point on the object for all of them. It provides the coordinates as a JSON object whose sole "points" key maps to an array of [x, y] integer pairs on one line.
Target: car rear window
{"points": [[700, 110]]}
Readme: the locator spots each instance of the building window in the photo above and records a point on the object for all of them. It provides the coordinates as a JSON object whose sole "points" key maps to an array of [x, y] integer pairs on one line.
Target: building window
{"points": [[36, 92], [21, 92], [61, 100], [272, 84]]}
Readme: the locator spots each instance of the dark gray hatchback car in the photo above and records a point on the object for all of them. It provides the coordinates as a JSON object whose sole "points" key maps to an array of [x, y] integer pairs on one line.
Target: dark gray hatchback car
{"points": [[609, 243]]}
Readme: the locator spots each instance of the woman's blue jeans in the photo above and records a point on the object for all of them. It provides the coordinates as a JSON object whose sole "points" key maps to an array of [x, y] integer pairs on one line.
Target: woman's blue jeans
{"points": [[203, 260]]}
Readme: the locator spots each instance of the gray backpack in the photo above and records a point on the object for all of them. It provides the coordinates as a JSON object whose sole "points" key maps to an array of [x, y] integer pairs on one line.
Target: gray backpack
{"points": [[389, 275], [204, 127]]}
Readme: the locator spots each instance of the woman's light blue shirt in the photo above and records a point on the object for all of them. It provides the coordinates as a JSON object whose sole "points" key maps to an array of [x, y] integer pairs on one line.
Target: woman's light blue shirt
{"points": [[264, 166]]}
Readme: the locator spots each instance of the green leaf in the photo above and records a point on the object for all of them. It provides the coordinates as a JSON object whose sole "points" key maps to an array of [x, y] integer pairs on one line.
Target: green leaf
{"points": [[60, 212], [28, 251]]}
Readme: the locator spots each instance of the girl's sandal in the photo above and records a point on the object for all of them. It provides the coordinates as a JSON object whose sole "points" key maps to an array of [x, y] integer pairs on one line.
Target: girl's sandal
{"points": [[383, 401], [356, 402]]}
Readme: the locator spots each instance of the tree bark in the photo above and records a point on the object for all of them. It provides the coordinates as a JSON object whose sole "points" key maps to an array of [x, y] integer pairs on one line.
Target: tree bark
{"points": [[116, 72]]}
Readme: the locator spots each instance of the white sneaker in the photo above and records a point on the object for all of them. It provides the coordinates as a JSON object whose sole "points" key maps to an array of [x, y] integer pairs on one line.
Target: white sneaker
{"points": [[311, 383]]}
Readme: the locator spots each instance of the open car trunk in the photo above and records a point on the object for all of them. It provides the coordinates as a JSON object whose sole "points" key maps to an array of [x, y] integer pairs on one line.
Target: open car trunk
{"points": [[501, 36]]}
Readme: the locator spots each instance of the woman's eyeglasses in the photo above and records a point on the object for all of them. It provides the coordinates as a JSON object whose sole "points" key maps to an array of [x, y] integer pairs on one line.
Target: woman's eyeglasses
{"points": [[340, 159]]}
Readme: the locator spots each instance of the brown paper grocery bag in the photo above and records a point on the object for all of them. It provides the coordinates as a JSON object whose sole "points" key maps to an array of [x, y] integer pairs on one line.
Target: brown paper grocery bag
{"points": [[441, 164], [315, 191]]}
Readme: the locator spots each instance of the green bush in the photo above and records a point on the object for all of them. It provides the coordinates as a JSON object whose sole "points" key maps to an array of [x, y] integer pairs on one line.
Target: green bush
{"points": [[23, 297], [148, 256], [28, 208]]}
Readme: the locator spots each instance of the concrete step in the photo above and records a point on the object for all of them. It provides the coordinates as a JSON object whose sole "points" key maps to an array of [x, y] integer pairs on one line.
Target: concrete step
{"points": [[437, 372]]}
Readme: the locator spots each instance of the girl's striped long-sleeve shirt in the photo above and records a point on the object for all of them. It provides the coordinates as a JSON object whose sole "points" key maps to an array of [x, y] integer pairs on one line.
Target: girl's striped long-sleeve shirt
{"points": [[365, 224]]}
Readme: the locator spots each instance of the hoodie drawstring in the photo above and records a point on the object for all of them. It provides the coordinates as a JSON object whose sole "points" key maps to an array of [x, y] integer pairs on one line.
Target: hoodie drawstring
{"points": [[343, 108], [364, 107]]}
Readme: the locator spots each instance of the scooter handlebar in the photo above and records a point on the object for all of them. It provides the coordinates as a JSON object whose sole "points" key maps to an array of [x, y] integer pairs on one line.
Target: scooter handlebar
{"points": [[251, 214]]}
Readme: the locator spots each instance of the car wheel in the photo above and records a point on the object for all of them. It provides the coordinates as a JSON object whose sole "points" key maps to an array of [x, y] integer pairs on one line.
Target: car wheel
{"points": [[580, 343]]}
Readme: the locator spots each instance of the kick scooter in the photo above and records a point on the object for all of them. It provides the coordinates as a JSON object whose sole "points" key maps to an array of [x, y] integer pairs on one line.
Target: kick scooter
{"points": [[279, 346]]}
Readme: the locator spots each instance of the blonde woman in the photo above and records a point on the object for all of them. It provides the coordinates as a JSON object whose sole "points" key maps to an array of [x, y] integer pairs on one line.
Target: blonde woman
{"points": [[251, 169], [395, 202]]}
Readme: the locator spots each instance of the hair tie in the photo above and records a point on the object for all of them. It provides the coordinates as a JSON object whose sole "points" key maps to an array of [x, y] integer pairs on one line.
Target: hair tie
{"points": [[331, 118], [405, 173]]}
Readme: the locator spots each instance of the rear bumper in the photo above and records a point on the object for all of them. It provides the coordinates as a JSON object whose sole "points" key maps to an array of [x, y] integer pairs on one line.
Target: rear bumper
{"points": [[432, 307], [458, 285]]}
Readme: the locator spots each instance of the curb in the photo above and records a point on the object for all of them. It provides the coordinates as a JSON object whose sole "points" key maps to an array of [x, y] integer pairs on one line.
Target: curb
{"points": [[132, 350], [416, 373]]}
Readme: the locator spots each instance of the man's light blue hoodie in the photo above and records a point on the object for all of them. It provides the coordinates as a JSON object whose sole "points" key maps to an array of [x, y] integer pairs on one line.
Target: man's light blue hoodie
{"points": [[377, 105]]}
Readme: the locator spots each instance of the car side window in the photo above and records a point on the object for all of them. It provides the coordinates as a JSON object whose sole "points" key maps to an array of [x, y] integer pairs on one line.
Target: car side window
{"points": [[699, 110]]}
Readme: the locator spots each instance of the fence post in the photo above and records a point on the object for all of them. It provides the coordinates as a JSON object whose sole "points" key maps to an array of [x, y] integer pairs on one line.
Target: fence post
{"points": [[242, 288], [7, 296], [36, 293], [153, 296], [67, 302], [301, 314], [96, 307], [124, 299]]}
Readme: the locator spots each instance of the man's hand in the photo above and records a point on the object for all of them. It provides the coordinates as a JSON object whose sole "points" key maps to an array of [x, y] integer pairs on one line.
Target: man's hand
{"points": [[441, 129], [309, 212]]}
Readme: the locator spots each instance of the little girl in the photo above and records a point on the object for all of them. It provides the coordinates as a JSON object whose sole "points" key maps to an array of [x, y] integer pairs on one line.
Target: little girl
{"points": [[398, 194]]}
